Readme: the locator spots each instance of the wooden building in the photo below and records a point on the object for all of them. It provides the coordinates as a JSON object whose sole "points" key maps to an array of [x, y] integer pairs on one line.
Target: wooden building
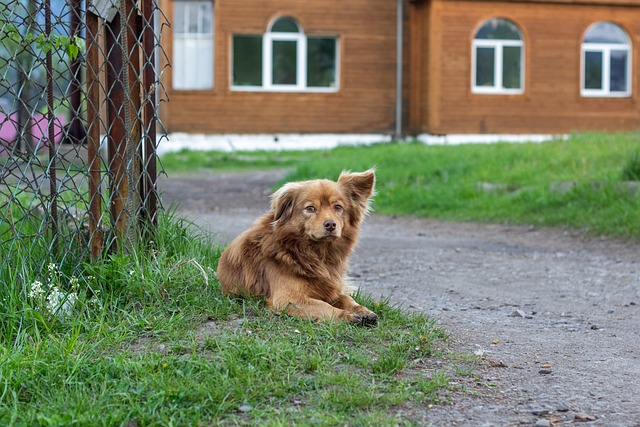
{"points": [[467, 66]]}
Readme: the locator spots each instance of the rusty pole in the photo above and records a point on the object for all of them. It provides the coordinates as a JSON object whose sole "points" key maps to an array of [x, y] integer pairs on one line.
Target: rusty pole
{"points": [[123, 102], [134, 86], [116, 132], [96, 238], [76, 131], [53, 191], [149, 125]]}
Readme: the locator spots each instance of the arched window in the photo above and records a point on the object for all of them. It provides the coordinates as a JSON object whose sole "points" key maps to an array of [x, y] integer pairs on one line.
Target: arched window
{"points": [[284, 46], [497, 58], [606, 61], [285, 59]]}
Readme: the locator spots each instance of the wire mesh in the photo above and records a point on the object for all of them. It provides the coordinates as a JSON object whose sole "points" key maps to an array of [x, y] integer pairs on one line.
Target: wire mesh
{"points": [[79, 84]]}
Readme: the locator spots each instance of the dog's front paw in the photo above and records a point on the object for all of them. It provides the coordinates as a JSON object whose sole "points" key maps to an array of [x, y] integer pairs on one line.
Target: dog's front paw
{"points": [[365, 318]]}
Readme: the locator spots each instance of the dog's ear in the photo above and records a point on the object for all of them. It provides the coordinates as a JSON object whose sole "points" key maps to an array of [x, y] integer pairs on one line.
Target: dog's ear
{"points": [[283, 202], [358, 186]]}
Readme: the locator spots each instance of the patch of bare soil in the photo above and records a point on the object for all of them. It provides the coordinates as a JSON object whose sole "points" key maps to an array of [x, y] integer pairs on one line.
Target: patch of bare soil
{"points": [[554, 315]]}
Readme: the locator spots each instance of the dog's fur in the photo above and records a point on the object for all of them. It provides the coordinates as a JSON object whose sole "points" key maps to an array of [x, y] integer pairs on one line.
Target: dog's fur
{"points": [[296, 254]]}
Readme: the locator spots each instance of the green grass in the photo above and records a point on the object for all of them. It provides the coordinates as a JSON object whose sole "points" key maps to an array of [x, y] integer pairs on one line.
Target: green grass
{"points": [[194, 161], [152, 341], [578, 183]]}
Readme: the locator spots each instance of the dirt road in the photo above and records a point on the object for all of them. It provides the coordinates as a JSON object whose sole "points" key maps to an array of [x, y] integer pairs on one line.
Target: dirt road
{"points": [[555, 314]]}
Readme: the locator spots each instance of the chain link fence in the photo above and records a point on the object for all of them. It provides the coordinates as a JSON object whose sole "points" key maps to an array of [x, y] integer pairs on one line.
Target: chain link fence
{"points": [[79, 84]]}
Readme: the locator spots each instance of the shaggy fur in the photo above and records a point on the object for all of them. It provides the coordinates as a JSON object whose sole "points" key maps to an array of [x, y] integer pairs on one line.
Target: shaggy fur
{"points": [[296, 254]]}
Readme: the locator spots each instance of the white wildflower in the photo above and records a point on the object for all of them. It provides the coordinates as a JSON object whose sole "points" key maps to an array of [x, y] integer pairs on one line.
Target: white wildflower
{"points": [[36, 289], [61, 304], [53, 272], [95, 302]]}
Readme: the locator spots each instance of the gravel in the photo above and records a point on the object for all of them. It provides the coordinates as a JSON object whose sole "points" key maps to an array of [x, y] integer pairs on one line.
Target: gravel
{"points": [[554, 314]]}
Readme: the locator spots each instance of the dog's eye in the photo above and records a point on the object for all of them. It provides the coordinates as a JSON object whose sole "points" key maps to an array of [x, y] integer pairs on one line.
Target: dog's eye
{"points": [[310, 209], [338, 208]]}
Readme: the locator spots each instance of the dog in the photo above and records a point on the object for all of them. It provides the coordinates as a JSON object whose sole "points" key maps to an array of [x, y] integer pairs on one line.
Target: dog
{"points": [[295, 255]]}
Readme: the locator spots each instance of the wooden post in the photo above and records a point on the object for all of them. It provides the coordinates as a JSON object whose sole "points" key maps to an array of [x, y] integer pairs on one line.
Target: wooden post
{"points": [[96, 238], [116, 132], [76, 132], [53, 181], [123, 101], [149, 124]]}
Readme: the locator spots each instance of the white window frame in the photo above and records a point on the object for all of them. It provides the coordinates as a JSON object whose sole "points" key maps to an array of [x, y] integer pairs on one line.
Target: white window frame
{"points": [[605, 49], [187, 85], [300, 38], [301, 60], [498, 49]]}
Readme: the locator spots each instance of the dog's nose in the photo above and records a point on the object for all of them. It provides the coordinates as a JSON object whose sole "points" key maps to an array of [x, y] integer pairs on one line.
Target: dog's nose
{"points": [[330, 225]]}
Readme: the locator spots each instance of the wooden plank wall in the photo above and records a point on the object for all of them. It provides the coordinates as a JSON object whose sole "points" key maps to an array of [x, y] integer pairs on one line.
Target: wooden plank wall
{"points": [[551, 102], [364, 103]]}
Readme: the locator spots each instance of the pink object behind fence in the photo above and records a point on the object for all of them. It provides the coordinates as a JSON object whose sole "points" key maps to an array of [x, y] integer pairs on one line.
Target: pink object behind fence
{"points": [[38, 131]]}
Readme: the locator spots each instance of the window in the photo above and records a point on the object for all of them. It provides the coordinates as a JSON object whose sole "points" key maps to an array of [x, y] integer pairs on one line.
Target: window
{"points": [[192, 63], [284, 59], [497, 58], [606, 61]]}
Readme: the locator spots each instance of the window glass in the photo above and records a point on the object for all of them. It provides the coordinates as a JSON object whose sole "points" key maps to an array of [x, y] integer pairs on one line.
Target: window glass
{"points": [[178, 18], [593, 70], [606, 32], [618, 70], [193, 17], [285, 25], [511, 67], [321, 62], [284, 63], [247, 60], [498, 29], [206, 14], [485, 60]]}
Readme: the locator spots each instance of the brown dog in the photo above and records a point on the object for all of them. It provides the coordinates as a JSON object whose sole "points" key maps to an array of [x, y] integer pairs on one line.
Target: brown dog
{"points": [[296, 254]]}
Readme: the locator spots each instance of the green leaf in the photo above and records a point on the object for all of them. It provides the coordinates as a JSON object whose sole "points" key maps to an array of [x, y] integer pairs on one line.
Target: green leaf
{"points": [[72, 51]]}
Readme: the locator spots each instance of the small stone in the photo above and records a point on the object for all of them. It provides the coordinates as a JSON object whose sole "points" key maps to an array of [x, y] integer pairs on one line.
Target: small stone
{"points": [[542, 423], [244, 408], [584, 417], [518, 313], [539, 411]]}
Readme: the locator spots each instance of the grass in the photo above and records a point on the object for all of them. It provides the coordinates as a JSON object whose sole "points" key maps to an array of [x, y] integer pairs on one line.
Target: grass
{"points": [[198, 161], [150, 340], [579, 182]]}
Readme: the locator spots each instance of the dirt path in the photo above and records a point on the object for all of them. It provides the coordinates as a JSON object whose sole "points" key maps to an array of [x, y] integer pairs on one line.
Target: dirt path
{"points": [[557, 315]]}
